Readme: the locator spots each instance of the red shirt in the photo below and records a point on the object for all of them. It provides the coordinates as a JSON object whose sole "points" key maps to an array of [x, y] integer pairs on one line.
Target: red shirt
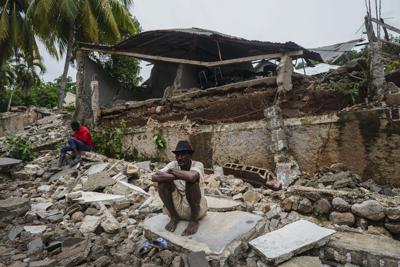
{"points": [[83, 134]]}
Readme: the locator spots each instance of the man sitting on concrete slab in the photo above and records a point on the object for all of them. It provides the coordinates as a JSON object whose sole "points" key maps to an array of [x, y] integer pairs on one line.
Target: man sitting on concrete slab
{"points": [[81, 141], [180, 186]]}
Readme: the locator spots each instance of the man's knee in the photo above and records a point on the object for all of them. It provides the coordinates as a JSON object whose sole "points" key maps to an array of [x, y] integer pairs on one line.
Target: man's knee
{"points": [[164, 187], [192, 186]]}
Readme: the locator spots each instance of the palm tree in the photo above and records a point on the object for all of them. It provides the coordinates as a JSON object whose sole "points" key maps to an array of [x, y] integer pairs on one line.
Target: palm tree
{"points": [[26, 73], [16, 34], [67, 22]]}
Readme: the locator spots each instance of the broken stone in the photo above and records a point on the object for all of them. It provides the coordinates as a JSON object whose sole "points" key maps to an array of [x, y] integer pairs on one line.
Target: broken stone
{"points": [[394, 228], [274, 212], [121, 204], [90, 224], [210, 238], [345, 218], [41, 206], [14, 232], [60, 193], [35, 246], [340, 204], [44, 188], [35, 229], [72, 255], [13, 207], [102, 261], [323, 206], [393, 214], [151, 205], [252, 197], [298, 237], [42, 263], [144, 165], [302, 261], [305, 206], [109, 223], [98, 181], [132, 170], [369, 209], [94, 169], [77, 216], [52, 215], [287, 172]]}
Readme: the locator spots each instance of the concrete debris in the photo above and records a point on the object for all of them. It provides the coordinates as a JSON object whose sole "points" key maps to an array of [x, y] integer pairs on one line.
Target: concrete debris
{"points": [[8, 162], [214, 240], [298, 237], [100, 213]]}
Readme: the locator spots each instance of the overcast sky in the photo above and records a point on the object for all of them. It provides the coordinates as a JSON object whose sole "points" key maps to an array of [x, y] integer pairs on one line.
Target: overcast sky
{"points": [[309, 23]]}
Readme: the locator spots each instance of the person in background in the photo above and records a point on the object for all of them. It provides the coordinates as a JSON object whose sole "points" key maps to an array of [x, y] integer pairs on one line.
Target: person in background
{"points": [[80, 141]]}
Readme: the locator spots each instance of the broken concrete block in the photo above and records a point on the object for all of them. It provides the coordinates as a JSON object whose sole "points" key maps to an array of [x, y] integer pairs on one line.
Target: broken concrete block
{"points": [[287, 172], [43, 263], [97, 182], [252, 197], [221, 204], [93, 197], [295, 238], [214, 240], [109, 223], [8, 162], [35, 229], [132, 169], [62, 173], [362, 250], [302, 261], [144, 165], [94, 169], [35, 246], [45, 188], [342, 218], [90, 224]]}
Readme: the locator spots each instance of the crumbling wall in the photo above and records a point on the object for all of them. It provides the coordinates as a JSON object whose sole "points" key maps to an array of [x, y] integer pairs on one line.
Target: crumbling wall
{"points": [[364, 141], [15, 121]]}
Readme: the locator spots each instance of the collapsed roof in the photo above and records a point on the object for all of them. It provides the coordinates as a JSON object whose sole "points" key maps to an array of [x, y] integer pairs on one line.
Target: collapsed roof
{"points": [[197, 44]]}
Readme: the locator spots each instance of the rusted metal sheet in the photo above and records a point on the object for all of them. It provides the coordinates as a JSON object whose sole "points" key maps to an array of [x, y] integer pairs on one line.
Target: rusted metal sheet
{"points": [[253, 175]]}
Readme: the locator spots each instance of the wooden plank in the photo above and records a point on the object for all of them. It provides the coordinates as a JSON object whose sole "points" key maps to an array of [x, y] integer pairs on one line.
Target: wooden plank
{"points": [[389, 43], [386, 25], [196, 62], [253, 58]]}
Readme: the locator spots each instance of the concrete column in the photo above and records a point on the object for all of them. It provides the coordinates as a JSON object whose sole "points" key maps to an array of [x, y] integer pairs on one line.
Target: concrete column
{"points": [[285, 72], [377, 83], [83, 111], [286, 168], [94, 86]]}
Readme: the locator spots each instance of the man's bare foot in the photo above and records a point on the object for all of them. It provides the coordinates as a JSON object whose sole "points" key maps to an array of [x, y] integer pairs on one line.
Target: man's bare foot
{"points": [[191, 228], [171, 226]]}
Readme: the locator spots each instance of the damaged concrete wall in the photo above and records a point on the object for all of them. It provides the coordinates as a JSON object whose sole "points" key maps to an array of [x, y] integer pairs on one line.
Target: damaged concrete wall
{"points": [[362, 140], [15, 121], [166, 74]]}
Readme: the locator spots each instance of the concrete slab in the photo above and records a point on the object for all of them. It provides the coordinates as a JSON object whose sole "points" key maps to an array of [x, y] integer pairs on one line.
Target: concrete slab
{"points": [[302, 261], [281, 245], [58, 175], [222, 204], [218, 236], [96, 168], [7, 162], [362, 250], [91, 197]]}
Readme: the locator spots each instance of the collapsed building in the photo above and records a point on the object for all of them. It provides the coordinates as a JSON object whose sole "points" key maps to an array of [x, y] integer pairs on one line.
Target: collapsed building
{"points": [[255, 125]]}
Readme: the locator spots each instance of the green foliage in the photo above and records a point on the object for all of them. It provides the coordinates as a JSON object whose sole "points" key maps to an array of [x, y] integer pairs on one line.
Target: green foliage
{"points": [[349, 87], [160, 141], [19, 148], [349, 56], [305, 64], [108, 141], [125, 70], [317, 212], [42, 95], [392, 65]]}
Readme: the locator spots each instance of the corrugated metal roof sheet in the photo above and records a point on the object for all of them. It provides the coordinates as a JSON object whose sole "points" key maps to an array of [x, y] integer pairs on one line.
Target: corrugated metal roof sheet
{"points": [[331, 53], [202, 45]]}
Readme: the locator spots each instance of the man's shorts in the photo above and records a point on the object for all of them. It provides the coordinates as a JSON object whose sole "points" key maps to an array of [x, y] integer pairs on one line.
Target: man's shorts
{"points": [[182, 206]]}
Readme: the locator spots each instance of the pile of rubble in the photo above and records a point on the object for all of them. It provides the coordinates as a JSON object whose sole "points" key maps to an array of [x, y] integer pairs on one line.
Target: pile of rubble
{"points": [[107, 212], [46, 133]]}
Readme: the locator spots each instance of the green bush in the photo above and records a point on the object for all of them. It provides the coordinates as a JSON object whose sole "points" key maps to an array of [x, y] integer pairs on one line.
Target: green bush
{"points": [[108, 141], [19, 148]]}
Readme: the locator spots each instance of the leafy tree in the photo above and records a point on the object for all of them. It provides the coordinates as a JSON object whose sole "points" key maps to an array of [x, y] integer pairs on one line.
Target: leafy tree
{"points": [[67, 22], [27, 75]]}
